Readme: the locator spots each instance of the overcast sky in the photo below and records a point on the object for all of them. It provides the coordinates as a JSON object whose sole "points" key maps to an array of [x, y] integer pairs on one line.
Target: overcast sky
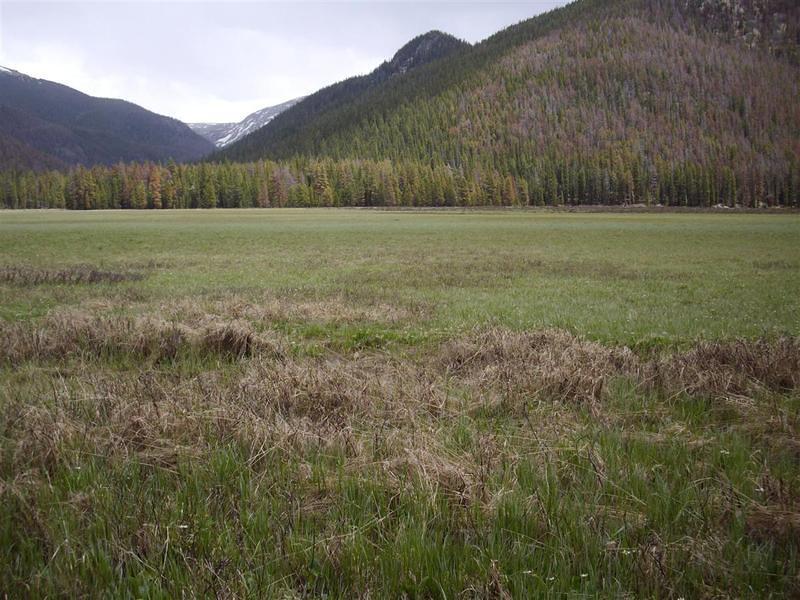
{"points": [[219, 61]]}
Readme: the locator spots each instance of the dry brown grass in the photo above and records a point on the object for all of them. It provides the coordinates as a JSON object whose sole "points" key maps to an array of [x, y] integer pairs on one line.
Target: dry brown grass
{"points": [[773, 523], [549, 364], [378, 410], [362, 410], [558, 365], [726, 368], [777, 516], [78, 334], [152, 419], [29, 276], [519, 366]]}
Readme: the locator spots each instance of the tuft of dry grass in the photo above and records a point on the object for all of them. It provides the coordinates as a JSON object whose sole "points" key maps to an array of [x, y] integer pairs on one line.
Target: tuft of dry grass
{"points": [[731, 367], [548, 364], [79, 274], [773, 523], [234, 338], [74, 334], [439, 471], [332, 389], [558, 365]]}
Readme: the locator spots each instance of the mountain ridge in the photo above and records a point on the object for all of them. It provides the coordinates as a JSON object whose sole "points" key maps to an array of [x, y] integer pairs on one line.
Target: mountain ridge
{"points": [[420, 51], [46, 118], [287, 137]]}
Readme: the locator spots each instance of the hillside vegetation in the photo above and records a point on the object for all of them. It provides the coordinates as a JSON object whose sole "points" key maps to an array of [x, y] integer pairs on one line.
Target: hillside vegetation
{"points": [[581, 94]]}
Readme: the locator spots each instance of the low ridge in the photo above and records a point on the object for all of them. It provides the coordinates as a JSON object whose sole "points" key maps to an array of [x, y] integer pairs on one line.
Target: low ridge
{"points": [[50, 124]]}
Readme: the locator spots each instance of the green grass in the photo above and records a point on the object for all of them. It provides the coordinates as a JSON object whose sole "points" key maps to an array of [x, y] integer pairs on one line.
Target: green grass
{"points": [[357, 461], [619, 278]]}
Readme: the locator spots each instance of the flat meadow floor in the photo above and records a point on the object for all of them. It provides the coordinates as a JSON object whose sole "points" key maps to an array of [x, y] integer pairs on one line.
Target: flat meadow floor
{"points": [[353, 403]]}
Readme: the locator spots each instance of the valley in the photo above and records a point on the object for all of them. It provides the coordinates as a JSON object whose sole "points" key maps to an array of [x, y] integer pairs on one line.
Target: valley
{"points": [[509, 316]]}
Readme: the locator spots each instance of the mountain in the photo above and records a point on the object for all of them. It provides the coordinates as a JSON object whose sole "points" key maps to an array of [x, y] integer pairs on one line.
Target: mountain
{"points": [[224, 134], [51, 125], [281, 131], [624, 100], [421, 50]]}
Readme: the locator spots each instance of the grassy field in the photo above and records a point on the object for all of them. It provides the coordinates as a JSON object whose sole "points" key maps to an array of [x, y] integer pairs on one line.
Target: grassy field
{"points": [[290, 403]]}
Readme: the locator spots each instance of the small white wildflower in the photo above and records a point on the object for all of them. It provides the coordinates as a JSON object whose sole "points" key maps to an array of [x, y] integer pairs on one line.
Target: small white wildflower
{"points": [[584, 575], [551, 579], [724, 452]]}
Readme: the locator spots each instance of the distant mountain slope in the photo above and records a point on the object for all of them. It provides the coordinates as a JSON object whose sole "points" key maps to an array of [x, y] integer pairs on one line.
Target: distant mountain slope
{"points": [[17, 155], [224, 134], [282, 131], [53, 124]]}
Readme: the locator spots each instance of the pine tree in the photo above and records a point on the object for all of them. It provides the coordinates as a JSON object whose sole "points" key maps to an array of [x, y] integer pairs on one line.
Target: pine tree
{"points": [[154, 188], [208, 190], [139, 195]]}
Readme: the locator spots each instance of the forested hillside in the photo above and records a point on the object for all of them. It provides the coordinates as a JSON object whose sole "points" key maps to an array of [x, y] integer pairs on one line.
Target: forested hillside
{"points": [[772, 25], [583, 97], [344, 97]]}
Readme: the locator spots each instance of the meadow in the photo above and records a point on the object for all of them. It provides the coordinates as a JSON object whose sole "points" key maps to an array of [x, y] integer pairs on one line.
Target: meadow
{"points": [[355, 403]]}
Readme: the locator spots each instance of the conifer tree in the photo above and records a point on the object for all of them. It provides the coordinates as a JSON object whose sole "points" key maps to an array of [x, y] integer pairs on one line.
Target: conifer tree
{"points": [[154, 188]]}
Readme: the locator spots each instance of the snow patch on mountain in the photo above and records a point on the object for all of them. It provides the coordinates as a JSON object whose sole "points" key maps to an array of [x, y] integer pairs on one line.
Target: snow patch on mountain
{"points": [[223, 134]]}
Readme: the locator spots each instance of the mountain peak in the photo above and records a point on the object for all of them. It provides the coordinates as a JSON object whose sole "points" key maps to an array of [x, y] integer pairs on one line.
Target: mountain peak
{"points": [[424, 49], [420, 51]]}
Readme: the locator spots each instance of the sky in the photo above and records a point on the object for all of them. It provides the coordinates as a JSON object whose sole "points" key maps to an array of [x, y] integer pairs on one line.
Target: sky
{"points": [[218, 61]]}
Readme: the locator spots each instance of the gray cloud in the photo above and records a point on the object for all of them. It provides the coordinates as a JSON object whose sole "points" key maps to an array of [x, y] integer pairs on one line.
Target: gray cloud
{"points": [[218, 61]]}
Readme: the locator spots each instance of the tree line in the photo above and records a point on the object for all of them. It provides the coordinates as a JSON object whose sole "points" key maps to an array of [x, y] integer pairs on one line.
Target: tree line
{"points": [[305, 182]]}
